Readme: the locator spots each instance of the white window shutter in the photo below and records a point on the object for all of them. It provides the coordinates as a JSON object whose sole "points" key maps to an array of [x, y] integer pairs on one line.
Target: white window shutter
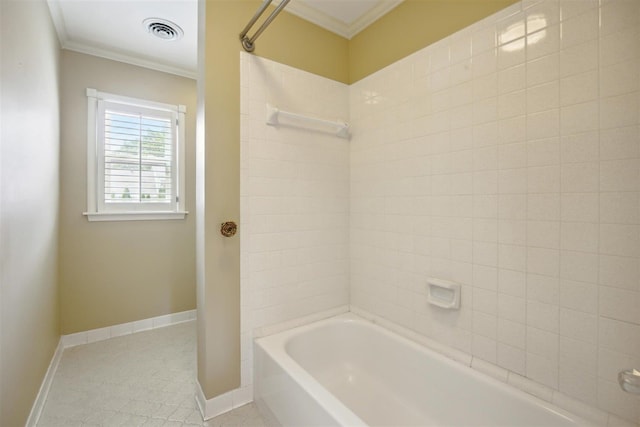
{"points": [[139, 162]]}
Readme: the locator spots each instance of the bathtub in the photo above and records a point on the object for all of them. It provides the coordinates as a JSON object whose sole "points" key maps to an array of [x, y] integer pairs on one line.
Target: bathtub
{"points": [[346, 371]]}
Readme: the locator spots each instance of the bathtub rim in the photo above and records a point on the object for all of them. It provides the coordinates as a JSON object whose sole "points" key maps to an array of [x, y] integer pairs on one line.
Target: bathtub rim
{"points": [[275, 346]]}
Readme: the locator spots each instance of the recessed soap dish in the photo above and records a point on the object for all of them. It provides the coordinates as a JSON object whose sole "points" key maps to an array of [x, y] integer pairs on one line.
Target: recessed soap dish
{"points": [[443, 294]]}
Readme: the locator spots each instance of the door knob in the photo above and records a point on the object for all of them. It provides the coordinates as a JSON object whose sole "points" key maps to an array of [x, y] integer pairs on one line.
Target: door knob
{"points": [[228, 229]]}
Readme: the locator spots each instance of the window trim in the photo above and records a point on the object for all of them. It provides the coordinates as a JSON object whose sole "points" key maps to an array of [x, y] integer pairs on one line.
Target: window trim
{"points": [[94, 213]]}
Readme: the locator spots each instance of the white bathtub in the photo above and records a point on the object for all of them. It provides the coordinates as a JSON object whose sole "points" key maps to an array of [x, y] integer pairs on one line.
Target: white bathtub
{"points": [[346, 371]]}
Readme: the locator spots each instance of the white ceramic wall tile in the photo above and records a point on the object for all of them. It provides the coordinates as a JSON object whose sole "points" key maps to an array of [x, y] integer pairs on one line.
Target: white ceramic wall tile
{"points": [[580, 207], [512, 204], [543, 140], [543, 152], [620, 143], [579, 296], [511, 358], [543, 206], [619, 272], [543, 234], [579, 29], [579, 58], [618, 15], [580, 177], [512, 257], [579, 266], [295, 204], [512, 234], [543, 70], [578, 325], [580, 147], [579, 88], [620, 304], [543, 42], [512, 283], [542, 370]]}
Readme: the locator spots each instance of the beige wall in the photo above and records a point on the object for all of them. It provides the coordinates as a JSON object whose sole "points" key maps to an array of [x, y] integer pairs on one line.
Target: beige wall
{"points": [[411, 26], [29, 204], [121, 271]]}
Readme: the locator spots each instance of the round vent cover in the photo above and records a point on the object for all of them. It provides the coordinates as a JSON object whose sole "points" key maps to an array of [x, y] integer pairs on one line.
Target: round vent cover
{"points": [[161, 28]]}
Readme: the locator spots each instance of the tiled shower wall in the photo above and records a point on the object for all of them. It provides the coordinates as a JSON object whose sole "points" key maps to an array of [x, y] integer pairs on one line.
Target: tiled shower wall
{"points": [[294, 201], [506, 158]]}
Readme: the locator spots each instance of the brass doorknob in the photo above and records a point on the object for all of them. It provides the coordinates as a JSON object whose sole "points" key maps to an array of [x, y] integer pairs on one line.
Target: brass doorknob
{"points": [[228, 229]]}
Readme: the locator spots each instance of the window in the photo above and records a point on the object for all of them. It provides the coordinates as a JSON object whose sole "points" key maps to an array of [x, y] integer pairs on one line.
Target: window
{"points": [[135, 156]]}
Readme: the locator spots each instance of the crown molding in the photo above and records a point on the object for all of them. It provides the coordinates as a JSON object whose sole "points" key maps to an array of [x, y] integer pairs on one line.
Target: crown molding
{"points": [[89, 49], [321, 19], [372, 16], [58, 20], [128, 59], [334, 25]]}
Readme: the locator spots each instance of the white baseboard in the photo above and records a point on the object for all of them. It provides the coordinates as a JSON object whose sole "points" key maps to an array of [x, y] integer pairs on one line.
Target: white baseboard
{"points": [[41, 398], [100, 334], [222, 403], [94, 335]]}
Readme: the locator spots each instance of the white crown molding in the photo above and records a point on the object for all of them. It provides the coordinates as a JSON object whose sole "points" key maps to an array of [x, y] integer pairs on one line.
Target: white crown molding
{"points": [[66, 43], [334, 25], [323, 20], [128, 59], [372, 16], [58, 20]]}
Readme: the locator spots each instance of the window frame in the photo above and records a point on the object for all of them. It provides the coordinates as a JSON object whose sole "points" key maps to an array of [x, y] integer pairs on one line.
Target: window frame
{"points": [[97, 209]]}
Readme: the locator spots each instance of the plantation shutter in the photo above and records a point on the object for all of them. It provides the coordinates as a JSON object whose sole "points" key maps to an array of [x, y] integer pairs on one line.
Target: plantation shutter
{"points": [[138, 157]]}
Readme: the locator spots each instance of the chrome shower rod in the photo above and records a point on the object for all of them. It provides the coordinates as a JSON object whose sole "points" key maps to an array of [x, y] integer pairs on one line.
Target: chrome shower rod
{"points": [[248, 42]]}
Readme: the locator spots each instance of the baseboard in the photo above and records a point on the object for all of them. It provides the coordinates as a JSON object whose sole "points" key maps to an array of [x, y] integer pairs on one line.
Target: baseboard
{"points": [[101, 334], [94, 335], [223, 403], [41, 398]]}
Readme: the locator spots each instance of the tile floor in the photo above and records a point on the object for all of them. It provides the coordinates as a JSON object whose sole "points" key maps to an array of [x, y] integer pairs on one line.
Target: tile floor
{"points": [[143, 379]]}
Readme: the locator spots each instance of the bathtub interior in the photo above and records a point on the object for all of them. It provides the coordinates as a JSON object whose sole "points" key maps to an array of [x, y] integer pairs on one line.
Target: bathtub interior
{"points": [[386, 380]]}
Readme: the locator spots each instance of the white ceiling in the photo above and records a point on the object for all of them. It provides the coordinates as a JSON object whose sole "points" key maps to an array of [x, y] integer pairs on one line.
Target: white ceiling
{"points": [[113, 28], [344, 17]]}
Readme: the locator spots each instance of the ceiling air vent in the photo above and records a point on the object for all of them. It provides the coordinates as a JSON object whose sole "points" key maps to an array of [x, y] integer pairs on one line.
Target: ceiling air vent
{"points": [[163, 29]]}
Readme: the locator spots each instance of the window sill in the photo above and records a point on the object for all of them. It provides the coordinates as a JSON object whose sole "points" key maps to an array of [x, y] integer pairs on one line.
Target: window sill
{"points": [[133, 216]]}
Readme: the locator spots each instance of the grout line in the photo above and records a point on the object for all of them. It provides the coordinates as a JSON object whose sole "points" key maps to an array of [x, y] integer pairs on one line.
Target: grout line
{"points": [[599, 197]]}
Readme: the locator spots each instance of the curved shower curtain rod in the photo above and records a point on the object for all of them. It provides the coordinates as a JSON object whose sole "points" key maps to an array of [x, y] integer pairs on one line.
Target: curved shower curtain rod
{"points": [[248, 42]]}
